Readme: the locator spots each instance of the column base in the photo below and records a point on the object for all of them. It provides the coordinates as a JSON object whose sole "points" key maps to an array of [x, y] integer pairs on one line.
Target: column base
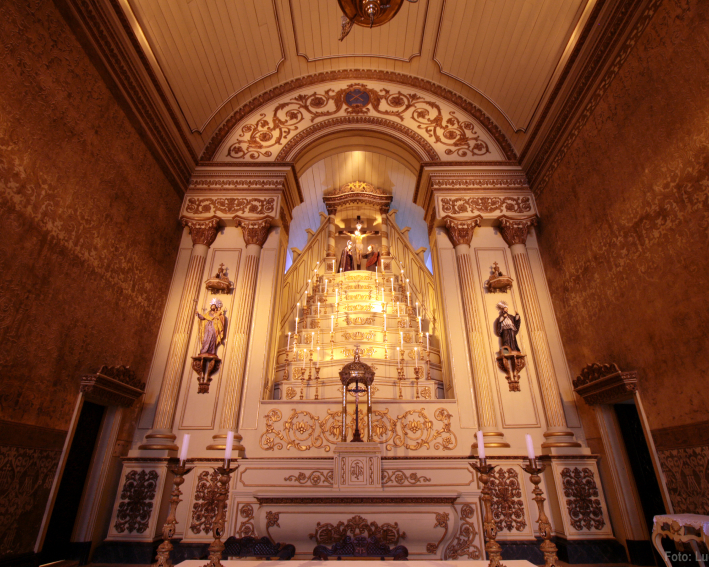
{"points": [[159, 440], [560, 441], [219, 444], [492, 440]]}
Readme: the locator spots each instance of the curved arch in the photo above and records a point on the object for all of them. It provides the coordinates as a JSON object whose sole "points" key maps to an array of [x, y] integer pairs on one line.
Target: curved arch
{"points": [[399, 78], [394, 137]]}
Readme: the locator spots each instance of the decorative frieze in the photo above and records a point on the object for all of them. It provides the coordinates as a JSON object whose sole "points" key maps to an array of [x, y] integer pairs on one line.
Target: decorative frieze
{"points": [[230, 205], [112, 386], [471, 205], [605, 384]]}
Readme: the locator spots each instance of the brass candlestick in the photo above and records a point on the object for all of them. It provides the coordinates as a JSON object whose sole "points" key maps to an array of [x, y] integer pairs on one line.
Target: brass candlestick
{"points": [[217, 547], [317, 383], [285, 371], [400, 374], [533, 469], [417, 375], [332, 345], [494, 550], [168, 531]]}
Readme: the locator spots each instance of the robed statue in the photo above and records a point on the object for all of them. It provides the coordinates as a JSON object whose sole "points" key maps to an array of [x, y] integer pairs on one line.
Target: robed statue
{"points": [[211, 328], [357, 235], [346, 261], [372, 257], [507, 327]]}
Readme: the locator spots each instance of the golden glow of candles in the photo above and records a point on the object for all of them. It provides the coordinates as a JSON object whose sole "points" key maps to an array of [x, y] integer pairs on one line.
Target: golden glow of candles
{"points": [[392, 284], [296, 324], [317, 360], [428, 342], [326, 286], [318, 308], [401, 338], [385, 321], [408, 299], [417, 309], [332, 323], [419, 325]]}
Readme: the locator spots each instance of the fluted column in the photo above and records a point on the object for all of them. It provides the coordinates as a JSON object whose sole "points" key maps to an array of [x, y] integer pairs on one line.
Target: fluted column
{"points": [[255, 232], [514, 231], [161, 437], [461, 234]]}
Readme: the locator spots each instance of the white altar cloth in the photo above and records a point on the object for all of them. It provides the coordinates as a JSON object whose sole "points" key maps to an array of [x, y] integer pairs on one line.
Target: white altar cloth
{"points": [[351, 563]]}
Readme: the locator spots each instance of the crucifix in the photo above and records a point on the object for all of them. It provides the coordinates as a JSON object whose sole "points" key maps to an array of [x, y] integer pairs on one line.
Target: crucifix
{"points": [[357, 390], [357, 237]]}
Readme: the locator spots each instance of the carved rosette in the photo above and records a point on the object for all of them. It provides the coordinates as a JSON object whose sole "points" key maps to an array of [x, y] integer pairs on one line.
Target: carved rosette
{"points": [[582, 498], [202, 231], [461, 231], [136, 504], [515, 231], [255, 230], [507, 504]]}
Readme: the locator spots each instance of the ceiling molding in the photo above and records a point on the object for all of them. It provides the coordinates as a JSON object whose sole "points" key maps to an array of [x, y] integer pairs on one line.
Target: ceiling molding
{"points": [[116, 45], [398, 78], [301, 52], [626, 25]]}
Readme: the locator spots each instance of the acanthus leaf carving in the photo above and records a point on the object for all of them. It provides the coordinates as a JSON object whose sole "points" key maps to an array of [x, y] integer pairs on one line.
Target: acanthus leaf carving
{"points": [[470, 205], [582, 498], [136, 506], [461, 230], [230, 205], [515, 231], [507, 503]]}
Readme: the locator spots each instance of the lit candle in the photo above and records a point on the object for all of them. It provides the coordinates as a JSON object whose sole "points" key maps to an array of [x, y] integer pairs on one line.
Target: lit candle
{"points": [[288, 345], [326, 287], [296, 324], [340, 270], [297, 311], [407, 285], [392, 284], [397, 310], [295, 354], [229, 447], [481, 445], [401, 337], [530, 447], [183, 449], [332, 323], [408, 299], [310, 286], [317, 360], [318, 308], [417, 309], [419, 325], [428, 344], [385, 321]]}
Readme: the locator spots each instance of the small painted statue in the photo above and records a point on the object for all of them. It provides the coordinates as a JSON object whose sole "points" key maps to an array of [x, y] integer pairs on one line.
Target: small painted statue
{"points": [[211, 328], [507, 327], [372, 257], [346, 262]]}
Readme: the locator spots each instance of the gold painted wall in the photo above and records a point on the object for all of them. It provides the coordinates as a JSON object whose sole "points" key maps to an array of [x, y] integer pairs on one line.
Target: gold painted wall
{"points": [[87, 247], [624, 232]]}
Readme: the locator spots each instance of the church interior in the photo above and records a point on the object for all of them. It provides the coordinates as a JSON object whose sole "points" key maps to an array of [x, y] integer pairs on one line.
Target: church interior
{"points": [[354, 279]]}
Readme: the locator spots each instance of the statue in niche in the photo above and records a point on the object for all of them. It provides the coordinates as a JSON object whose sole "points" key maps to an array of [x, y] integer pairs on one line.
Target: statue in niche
{"points": [[357, 236], [211, 335], [507, 327], [346, 262], [510, 360], [211, 328], [372, 257]]}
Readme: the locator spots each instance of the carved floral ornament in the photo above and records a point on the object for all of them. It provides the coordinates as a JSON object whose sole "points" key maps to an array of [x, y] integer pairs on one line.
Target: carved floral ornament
{"points": [[461, 231], [255, 231], [452, 133], [202, 231], [230, 205], [485, 205], [515, 230]]}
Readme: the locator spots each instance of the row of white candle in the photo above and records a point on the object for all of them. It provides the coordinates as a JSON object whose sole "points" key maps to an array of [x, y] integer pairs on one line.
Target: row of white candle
{"points": [[528, 439], [227, 451]]}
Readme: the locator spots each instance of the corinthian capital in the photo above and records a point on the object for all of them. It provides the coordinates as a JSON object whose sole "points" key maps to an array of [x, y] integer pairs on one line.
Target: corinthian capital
{"points": [[255, 230], [202, 231], [461, 231], [515, 230]]}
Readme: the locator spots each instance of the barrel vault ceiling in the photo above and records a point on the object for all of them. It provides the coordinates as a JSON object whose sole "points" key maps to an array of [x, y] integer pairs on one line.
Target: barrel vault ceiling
{"points": [[193, 63]]}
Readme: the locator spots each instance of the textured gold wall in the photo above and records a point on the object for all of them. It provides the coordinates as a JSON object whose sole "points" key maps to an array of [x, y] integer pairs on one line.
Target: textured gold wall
{"points": [[87, 246], [625, 225]]}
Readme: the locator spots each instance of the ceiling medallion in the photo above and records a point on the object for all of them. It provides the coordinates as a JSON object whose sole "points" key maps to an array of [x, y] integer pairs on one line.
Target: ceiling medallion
{"points": [[367, 13]]}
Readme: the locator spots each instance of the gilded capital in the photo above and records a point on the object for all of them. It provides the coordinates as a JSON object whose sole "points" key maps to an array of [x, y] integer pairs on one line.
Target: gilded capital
{"points": [[461, 231], [255, 230], [515, 230], [202, 231]]}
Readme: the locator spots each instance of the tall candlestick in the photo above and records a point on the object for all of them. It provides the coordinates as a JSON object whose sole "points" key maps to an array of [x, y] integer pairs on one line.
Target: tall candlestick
{"points": [[530, 448], [317, 360], [183, 449], [407, 285], [382, 293], [310, 287], [398, 357], [481, 445], [229, 447]]}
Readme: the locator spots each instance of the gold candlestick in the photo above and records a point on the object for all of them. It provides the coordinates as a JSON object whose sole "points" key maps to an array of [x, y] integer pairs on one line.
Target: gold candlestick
{"points": [[417, 375], [494, 550], [317, 383], [534, 470], [400, 373], [285, 371], [168, 531], [217, 547], [332, 345]]}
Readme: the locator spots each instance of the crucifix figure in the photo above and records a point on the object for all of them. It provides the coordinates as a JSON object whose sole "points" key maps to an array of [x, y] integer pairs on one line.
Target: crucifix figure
{"points": [[357, 237], [357, 390]]}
